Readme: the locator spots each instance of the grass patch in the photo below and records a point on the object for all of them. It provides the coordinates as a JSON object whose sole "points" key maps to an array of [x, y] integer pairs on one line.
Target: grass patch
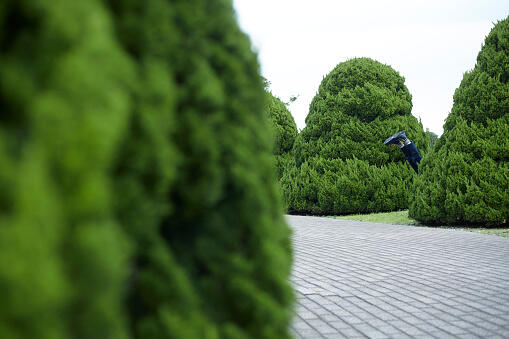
{"points": [[401, 218], [397, 218]]}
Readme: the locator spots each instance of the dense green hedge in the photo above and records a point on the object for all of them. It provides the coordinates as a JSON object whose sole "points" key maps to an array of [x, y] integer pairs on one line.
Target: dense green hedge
{"points": [[284, 131], [465, 178], [137, 191], [341, 164]]}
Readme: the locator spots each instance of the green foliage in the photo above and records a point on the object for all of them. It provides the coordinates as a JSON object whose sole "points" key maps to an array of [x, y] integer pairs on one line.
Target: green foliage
{"points": [[215, 257], [362, 88], [284, 132], [137, 190], [465, 179], [334, 187], [341, 164], [63, 83], [283, 124]]}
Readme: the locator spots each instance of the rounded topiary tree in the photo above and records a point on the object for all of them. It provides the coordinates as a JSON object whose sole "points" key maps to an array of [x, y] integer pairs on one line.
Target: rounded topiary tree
{"points": [[465, 178], [358, 105], [284, 131]]}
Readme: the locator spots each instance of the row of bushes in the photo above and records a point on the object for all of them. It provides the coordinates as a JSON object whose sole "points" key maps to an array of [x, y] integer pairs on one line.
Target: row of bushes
{"points": [[137, 197], [339, 164], [332, 187]]}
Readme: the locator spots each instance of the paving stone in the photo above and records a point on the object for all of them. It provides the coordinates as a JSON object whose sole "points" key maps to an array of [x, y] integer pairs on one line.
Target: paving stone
{"points": [[412, 330], [498, 321], [466, 336], [330, 317], [352, 320], [455, 330], [301, 325], [412, 320], [370, 331], [351, 333], [463, 324], [428, 328], [339, 324], [440, 335], [311, 333], [358, 280], [389, 330], [402, 336], [335, 336]]}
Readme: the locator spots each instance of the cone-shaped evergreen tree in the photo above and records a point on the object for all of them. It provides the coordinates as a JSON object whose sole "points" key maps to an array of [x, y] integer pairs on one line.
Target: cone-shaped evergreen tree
{"points": [[466, 176], [341, 163], [137, 193], [213, 252], [284, 131]]}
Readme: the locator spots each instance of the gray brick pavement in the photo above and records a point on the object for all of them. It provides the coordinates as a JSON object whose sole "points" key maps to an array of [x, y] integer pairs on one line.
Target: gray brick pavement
{"points": [[369, 280]]}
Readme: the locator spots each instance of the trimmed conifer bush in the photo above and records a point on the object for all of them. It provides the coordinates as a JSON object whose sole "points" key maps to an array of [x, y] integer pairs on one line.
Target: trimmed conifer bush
{"points": [[464, 179], [215, 258], [341, 164], [284, 131], [138, 197]]}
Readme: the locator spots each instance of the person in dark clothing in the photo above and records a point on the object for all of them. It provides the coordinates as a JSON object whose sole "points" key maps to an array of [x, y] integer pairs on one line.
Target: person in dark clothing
{"points": [[407, 147]]}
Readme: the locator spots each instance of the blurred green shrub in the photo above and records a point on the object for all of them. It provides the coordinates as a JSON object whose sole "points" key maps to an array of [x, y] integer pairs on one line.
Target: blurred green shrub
{"points": [[137, 190], [64, 106], [466, 177], [284, 130], [341, 164]]}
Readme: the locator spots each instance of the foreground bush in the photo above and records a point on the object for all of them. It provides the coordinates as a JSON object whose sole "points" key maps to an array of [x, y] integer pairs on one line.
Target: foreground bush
{"points": [[284, 132], [465, 179], [64, 104], [137, 190], [341, 164]]}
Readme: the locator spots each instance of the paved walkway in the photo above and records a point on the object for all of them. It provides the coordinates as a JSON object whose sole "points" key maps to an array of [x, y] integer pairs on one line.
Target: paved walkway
{"points": [[357, 280]]}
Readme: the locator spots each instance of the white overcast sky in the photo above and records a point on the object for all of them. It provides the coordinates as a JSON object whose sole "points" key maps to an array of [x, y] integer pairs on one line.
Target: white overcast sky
{"points": [[431, 43]]}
